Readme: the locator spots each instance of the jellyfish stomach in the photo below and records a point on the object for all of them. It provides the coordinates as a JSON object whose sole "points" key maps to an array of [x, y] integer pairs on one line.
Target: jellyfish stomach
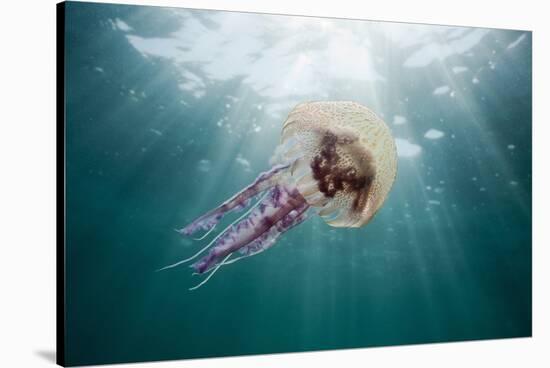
{"points": [[263, 182], [282, 209]]}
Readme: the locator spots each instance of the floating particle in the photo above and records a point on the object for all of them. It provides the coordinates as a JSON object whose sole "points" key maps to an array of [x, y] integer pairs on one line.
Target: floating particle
{"points": [[399, 120], [204, 165], [155, 131], [243, 162]]}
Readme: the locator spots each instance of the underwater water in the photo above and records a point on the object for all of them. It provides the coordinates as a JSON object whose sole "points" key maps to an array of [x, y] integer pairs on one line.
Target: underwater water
{"points": [[171, 111]]}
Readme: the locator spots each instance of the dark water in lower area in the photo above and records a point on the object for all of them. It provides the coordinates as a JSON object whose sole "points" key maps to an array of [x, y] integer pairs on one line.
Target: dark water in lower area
{"points": [[169, 112]]}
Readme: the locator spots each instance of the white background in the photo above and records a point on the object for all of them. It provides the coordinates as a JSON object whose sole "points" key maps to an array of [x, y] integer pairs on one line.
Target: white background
{"points": [[27, 183]]}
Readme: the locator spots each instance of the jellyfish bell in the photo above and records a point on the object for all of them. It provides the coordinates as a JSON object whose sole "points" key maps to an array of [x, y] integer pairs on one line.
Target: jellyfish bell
{"points": [[344, 159], [336, 159]]}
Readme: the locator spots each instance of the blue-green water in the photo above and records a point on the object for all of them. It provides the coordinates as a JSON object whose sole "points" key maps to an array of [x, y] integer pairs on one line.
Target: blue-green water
{"points": [[169, 112]]}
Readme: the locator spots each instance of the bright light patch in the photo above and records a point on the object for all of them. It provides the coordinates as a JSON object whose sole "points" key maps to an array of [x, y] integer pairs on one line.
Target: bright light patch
{"points": [[407, 149], [441, 90], [437, 49], [459, 69], [516, 42], [434, 134], [120, 24]]}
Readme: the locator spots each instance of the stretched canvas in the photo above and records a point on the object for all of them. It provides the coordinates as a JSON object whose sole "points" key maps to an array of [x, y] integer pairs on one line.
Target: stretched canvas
{"points": [[235, 183]]}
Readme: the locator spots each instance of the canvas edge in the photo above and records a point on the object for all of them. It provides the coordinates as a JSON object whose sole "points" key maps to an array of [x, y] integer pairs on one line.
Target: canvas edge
{"points": [[60, 185]]}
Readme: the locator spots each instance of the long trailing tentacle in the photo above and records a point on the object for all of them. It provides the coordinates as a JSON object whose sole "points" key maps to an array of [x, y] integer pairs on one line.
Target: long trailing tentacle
{"points": [[256, 228], [262, 183], [281, 208], [260, 245], [211, 274], [204, 235], [216, 238], [263, 242]]}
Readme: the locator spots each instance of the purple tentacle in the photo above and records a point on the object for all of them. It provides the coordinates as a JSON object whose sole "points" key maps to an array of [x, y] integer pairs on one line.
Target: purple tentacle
{"points": [[278, 212], [240, 200], [268, 239]]}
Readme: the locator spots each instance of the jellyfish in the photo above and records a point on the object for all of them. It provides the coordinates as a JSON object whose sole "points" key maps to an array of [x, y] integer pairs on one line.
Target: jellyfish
{"points": [[335, 159]]}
